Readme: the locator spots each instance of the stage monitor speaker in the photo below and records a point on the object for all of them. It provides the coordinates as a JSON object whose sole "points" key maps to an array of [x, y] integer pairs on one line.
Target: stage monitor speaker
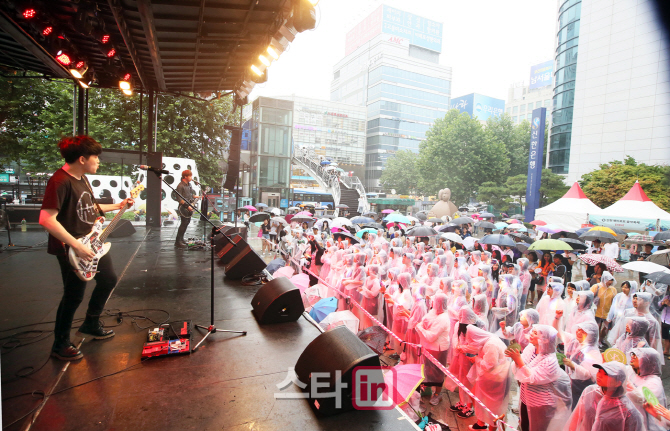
{"points": [[227, 251], [123, 228], [233, 159], [246, 262], [338, 349], [278, 301]]}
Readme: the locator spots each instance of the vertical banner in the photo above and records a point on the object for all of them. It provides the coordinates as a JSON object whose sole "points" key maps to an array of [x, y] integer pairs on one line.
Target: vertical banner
{"points": [[535, 162]]}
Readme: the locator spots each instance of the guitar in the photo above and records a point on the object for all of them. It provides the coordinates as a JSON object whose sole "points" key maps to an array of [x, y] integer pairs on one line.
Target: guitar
{"points": [[183, 208], [95, 240]]}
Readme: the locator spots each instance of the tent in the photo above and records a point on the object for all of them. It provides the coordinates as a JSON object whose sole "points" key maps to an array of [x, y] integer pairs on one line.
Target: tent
{"points": [[635, 211], [569, 212]]}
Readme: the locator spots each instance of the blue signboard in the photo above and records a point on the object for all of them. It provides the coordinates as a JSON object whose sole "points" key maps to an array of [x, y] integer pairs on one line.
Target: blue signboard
{"points": [[485, 107], [464, 103], [418, 30], [541, 75], [246, 135], [283, 203], [535, 162]]}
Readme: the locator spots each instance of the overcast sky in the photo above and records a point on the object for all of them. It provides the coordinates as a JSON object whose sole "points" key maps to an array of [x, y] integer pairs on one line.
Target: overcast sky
{"points": [[489, 44]]}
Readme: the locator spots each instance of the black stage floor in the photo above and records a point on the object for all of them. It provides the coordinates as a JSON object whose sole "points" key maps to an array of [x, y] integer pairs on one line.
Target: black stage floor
{"points": [[229, 383]]}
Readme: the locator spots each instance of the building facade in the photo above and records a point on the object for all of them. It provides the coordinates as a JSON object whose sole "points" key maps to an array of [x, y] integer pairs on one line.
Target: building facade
{"points": [[392, 68], [479, 106], [622, 86], [522, 98]]}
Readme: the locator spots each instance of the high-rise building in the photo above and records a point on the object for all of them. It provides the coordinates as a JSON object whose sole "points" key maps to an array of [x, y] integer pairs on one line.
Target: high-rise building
{"points": [[522, 98], [479, 106], [613, 100], [391, 66]]}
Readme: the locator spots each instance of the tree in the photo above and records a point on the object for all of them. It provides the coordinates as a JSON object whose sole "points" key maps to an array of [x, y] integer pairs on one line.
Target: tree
{"points": [[400, 173], [515, 138], [552, 187], [516, 186], [613, 180], [493, 194], [458, 154]]}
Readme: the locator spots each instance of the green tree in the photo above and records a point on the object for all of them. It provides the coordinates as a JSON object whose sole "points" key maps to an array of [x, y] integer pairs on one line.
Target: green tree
{"points": [[613, 180], [400, 173], [516, 186], [494, 194], [458, 154], [515, 137], [552, 187]]}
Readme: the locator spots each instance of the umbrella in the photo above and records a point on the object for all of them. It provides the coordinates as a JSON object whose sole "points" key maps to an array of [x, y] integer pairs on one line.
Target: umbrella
{"points": [[576, 244], [374, 337], [593, 235], [661, 257], [538, 223], [259, 217], [372, 226], [388, 211], [453, 237], [517, 216], [261, 205], [592, 259], [661, 236], [549, 228], [485, 225], [522, 237], [513, 221], [288, 217], [361, 232], [565, 235], [325, 162], [402, 381], [550, 244], [522, 246], [341, 318], [449, 227], [469, 242], [342, 206], [435, 220], [500, 225], [422, 216], [346, 235], [462, 220], [413, 219], [279, 220], [275, 211], [645, 266], [369, 213], [302, 218], [602, 229], [486, 215], [398, 224], [502, 240], [303, 213], [250, 208], [397, 218], [659, 277], [420, 231], [362, 220], [340, 221], [516, 226], [323, 308], [293, 208]]}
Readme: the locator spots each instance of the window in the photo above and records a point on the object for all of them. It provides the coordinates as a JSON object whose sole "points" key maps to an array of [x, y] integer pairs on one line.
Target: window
{"points": [[538, 104], [514, 119], [530, 106], [523, 108], [547, 103], [509, 110], [530, 117], [515, 110]]}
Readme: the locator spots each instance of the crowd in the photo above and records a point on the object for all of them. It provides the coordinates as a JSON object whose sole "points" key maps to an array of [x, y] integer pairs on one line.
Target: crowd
{"points": [[494, 315]]}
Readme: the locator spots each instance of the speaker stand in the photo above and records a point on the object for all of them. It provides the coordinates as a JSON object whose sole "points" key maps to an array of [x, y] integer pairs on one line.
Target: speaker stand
{"points": [[215, 229]]}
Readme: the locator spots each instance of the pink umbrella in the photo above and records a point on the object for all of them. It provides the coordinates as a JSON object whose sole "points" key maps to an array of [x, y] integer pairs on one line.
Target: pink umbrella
{"points": [[388, 211], [401, 382], [303, 213], [250, 207], [513, 220], [538, 223], [335, 229], [394, 224]]}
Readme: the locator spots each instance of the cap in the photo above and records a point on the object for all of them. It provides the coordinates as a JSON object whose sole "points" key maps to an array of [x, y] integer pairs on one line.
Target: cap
{"points": [[613, 369]]}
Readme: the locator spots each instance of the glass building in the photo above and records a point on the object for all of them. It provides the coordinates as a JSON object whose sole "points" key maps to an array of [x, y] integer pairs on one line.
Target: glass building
{"points": [[270, 150], [567, 41]]}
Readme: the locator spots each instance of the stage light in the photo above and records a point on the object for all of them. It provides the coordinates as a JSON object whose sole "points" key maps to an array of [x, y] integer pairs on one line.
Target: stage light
{"points": [[47, 31], [128, 92], [289, 32], [256, 70], [111, 53], [127, 77], [29, 13], [63, 58], [313, 2], [273, 53], [264, 60], [83, 84], [124, 85], [79, 69], [104, 39]]}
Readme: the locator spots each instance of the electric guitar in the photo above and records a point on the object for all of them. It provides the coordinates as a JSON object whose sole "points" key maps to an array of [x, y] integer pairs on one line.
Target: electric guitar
{"points": [[95, 240], [183, 208]]}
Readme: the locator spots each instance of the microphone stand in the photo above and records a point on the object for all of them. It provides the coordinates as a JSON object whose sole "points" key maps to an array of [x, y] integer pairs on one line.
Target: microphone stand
{"points": [[215, 229]]}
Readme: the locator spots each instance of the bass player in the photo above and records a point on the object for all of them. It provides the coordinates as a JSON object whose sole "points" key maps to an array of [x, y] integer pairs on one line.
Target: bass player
{"points": [[184, 189], [68, 212]]}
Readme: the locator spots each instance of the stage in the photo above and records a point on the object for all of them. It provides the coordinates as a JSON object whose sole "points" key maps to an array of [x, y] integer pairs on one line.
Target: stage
{"points": [[229, 383]]}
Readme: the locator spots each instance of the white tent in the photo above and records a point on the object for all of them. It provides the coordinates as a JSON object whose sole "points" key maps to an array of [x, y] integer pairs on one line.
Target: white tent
{"points": [[569, 212], [635, 211]]}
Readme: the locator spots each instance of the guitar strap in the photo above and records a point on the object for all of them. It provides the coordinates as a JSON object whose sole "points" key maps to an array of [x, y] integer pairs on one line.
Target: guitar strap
{"points": [[95, 201]]}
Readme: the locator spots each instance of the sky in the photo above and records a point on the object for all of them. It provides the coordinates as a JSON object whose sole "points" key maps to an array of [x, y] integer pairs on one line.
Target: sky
{"points": [[489, 44]]}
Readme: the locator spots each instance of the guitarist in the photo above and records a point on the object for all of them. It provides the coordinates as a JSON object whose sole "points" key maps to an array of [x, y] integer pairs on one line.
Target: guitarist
{"points": [[69, 212], [184, 189]]}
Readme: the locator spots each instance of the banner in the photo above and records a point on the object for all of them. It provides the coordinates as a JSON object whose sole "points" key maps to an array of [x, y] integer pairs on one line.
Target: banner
{"points": [[627, 223], [535, 162]]}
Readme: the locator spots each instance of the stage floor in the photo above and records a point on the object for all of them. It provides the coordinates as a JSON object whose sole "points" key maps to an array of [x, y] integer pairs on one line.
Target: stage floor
{"points": [[229, 383]]}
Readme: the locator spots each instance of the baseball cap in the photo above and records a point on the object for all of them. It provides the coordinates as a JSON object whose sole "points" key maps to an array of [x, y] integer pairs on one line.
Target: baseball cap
{"points": [[613, 369]]}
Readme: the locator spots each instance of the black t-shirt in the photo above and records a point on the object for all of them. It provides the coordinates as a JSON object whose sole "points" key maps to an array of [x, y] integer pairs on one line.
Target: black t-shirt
{"points": [[76, 210], [265, 228]]}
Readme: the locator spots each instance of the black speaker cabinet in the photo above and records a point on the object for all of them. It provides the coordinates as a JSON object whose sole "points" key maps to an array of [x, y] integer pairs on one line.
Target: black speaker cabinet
{"points": [[278, 301], [338, 349], [226, 250], [123, 228], [246, 262]]}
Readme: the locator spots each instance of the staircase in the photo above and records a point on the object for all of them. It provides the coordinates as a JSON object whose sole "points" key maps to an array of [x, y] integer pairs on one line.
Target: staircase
{"points": [[345, 190]]}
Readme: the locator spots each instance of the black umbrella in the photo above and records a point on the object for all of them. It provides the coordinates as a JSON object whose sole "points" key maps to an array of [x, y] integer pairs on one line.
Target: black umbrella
{"points": [[420, 231], [462, 220], [361, 220], [497, 239], [342, 206], [662, 236], [369, 213], [435, 220], [486, 215], [259, 217], [659, 277], [524, 238], [518, 216], [576, 244], [604, 237], [522, 246], [421, 216], [346, 235], [449, 227], [485, 225], [372, 226], [374, 337], [567, 234]]}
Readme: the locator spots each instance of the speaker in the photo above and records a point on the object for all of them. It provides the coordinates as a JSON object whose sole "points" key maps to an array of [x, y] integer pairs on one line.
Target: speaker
{"points": [[246, 262], [226, 250], [338, 349], [123, 228], [233, 159], [278, 301]]}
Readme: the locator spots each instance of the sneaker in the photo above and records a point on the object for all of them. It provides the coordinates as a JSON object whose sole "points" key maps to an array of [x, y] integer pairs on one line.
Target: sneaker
{"points": [[478, 427], [67, 353], [457, 407], [97, 331], [466, 413], [435, 399]]}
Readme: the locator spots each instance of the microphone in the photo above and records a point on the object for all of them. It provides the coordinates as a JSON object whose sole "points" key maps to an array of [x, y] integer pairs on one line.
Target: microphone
{"points": [[154, 170], [197, 183]]}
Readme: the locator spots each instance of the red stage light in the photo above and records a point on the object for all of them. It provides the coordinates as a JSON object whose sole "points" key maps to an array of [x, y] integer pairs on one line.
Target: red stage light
{"points": [[64, 59], [79, 65], [126, 77], [29, 13], [105, 38], [111, 53], [47, 31]]}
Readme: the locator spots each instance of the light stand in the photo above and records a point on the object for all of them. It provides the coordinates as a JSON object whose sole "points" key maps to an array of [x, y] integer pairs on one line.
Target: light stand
{"points": [[215, 229]]}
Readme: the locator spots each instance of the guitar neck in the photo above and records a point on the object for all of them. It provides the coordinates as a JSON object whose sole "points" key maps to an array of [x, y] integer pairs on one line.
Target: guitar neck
{"points": [[110, 228]]}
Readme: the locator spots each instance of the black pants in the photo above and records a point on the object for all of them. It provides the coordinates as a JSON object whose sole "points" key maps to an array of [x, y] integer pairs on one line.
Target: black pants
{"points": [[73, 294], [182, 228]]}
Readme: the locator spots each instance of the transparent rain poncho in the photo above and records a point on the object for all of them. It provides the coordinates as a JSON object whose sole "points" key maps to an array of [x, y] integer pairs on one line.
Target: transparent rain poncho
{"points": [[547, 306], [570, 304], [434, 331], [475, 262], [506, 305], [419, 310], [584, 355], [524, 274], [430, 279], [480, 306], [445, 286], [620, 304], [517, 332], [458, 301], [635, 338], [649, 376], [478, 285], [459, 364], [653, 334], [403, 302], [582, 311]]}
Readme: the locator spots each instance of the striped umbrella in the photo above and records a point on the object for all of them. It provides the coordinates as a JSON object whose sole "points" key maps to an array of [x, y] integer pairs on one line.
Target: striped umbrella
{"points": [[593, 259]]}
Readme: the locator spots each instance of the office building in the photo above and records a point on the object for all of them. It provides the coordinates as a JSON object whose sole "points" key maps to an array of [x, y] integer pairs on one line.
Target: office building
{"points": [[391, 67], [479, 106], [613, 100], [522, 98]]}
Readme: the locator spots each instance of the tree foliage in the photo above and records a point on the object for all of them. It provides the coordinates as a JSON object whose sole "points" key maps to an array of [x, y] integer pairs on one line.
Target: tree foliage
{"points": [[503, 197], [613, 180], [400, 173]]}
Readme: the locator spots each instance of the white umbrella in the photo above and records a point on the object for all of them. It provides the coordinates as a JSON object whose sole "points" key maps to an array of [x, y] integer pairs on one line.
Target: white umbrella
{"points": [[644, 266], [516, 226], [453, 237], [469, 243], [319, 223], [275, 211], [340, 318], [413, 219], [340, 221]]}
